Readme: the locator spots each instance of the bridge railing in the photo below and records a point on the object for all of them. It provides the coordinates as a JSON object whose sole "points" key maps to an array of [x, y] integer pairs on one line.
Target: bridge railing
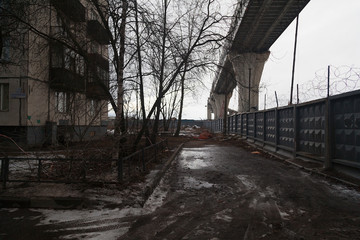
{"points": [[325, 130]]}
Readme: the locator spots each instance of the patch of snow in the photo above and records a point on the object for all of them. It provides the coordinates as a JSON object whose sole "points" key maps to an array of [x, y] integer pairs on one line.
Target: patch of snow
{"points": [[149, 177], [109, 222], [247, 182], [195, 163], [253, 203], [157, 198], [58, 216], [190, 182], [108, 235], [270, 192], [224, 215], [284, 215], [344, 191], [195, 158], [110, 132], [301, 212], [10, 210]]}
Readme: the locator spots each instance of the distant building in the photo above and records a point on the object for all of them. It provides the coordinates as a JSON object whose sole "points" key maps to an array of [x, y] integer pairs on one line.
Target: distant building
{"points": [[54, 71]]}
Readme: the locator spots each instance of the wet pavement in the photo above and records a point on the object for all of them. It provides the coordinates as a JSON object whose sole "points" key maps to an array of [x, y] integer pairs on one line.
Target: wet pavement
{"points": [[210, 192]]}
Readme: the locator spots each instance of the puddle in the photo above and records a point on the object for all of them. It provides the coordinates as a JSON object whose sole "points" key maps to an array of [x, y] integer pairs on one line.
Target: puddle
{"points": [[195, 158], [196, 163]]}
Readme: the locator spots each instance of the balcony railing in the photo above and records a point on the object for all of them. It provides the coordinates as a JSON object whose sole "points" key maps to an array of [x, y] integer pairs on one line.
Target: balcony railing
{"points": [[96, 90], [96, 59], [62, 79], [71, 8], [97, 32]]}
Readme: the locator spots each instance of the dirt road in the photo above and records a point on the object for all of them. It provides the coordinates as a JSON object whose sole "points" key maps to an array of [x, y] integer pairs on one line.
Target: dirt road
{"points": [[217, 192], [212, 192]]}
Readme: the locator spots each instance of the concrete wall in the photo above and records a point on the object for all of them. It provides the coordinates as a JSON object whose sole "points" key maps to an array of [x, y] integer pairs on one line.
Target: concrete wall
{"points": [[326, 130]]}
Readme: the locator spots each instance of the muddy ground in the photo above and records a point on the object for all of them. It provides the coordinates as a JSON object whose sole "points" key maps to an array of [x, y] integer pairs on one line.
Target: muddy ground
{"points": [[211, 191], [224, 192]]}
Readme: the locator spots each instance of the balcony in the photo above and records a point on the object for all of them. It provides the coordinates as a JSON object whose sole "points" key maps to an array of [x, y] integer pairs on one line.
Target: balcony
{"points": [[95, 90], [73, 9], [62, 79], [96, 59], [97, 32]]}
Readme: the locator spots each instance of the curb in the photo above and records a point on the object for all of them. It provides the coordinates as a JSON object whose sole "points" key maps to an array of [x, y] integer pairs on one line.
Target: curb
{"points": [[149, 189]]}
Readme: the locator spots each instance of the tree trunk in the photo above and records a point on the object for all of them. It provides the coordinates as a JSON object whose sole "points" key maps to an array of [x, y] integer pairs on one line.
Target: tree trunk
{"points": [[120, 117], [141, 80], [161, 78], [178, 126]]}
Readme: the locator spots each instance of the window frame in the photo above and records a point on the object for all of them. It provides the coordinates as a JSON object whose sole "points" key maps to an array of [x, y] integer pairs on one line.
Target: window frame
{"points": [[62, 102], [4, 97]]}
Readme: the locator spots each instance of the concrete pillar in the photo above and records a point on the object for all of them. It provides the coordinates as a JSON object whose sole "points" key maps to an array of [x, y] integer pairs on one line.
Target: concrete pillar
{"points": [[209, 109], [248, 67], [220, 102]]}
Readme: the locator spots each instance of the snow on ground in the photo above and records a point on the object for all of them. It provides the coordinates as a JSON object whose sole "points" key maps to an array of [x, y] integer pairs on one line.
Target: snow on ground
{"points": [[224, 215], [104, 223], [111, 234], [247, 182], [157, 197], [191, 182], [60, 216], [196, 163], [343, 190], [194, 159]]}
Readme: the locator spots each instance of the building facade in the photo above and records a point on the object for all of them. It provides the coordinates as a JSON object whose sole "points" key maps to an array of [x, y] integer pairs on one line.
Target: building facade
{"points": [[54, 71]]}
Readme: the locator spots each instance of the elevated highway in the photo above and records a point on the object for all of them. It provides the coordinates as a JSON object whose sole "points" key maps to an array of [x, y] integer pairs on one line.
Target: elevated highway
{"points": [[257, 24]]}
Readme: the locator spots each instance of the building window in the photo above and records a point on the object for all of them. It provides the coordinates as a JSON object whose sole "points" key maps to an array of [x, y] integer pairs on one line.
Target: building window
{"points": [[70, 61], [56, 57], [95, 48], [80, 65], [4, 97], [93, 104], [5, 53], [103, 75], [62, 102]]}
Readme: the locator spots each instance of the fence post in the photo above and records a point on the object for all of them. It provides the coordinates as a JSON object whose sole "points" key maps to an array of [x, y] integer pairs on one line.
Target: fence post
{"points": [[143, 159], [120, 169], [4, 171], [276, 129], [255, 126], [328, 135], [247, 125], [264, 128], [39, 170], [296, 135], [236, 123], [156, 151], [241, 125]]}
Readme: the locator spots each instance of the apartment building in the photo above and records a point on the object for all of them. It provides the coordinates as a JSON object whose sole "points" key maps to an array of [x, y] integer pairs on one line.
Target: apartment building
{"points": [[54, 71]]}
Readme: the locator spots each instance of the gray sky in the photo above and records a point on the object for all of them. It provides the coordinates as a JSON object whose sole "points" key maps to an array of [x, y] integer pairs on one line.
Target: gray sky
{"points": [[328, 35]]}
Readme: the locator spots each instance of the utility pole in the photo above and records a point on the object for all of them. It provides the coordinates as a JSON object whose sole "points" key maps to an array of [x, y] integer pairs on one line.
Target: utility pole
{"points": [[249, 89], [294, 58]]}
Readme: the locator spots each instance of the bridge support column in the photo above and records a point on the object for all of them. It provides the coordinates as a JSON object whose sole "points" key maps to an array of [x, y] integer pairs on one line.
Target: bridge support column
{"points": [[209, 108], [248, 69], [219, 104]]}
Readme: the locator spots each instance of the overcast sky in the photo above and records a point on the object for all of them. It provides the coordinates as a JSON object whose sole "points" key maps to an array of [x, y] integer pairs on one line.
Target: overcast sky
{"points": [[328, 35]]}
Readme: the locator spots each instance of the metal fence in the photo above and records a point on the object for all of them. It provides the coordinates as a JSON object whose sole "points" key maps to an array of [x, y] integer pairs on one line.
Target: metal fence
{"points": [[326, 130], [56, 169]]}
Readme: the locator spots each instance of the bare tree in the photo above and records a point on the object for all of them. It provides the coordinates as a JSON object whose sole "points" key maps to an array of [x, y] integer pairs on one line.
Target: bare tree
{"points": [[205, 35]]}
